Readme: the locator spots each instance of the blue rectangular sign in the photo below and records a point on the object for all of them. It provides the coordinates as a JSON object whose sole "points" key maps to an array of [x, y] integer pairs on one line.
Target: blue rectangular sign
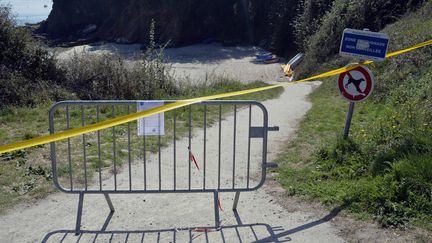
{"points": [[364, 44]]}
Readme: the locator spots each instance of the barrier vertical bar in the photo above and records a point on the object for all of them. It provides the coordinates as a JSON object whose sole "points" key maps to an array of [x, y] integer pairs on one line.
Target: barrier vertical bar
{"points": [[234, 146], [219, 147], [159, 154], [205, 146], [79, 213], [84, 148], [249, 147], [99, 150], [115, 151], [236, 200], [190, 145], [69, 149], [129, 151], [175, 147], [109, 202], [145, 154], [216, 208]]}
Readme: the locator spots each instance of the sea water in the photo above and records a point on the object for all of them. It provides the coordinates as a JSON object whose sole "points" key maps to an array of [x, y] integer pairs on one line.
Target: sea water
{"points": [[29, 11]]}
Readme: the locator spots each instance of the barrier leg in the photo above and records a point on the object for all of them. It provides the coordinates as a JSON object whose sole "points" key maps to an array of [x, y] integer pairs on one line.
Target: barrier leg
{"points": [[236, 199], [79, 213], [216, 208], [110, 204]]}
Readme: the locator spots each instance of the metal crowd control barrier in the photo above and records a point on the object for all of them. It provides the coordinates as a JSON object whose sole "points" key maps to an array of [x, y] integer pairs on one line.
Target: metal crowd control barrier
{"points": [[204, 151]]}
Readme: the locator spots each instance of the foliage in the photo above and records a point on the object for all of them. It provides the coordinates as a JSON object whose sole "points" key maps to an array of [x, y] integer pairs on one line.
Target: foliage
{"points": [[384, 170], [308, 20], [357, 14], [112, 77], [280, 16], [28, 73]]}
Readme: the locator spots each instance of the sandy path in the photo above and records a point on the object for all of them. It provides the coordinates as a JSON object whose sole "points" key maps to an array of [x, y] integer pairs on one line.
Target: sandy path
{"points": [[138, 212], [30, 223]]}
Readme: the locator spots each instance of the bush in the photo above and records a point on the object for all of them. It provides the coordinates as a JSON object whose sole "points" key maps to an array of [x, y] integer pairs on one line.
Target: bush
{"points": [[308, 20], [109, 76], [279, 29], [358, 14], [28, 73]]}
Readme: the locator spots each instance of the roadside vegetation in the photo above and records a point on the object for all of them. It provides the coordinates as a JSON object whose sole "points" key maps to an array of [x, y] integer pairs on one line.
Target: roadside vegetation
{"points": [[31, 80], [384, 170]]}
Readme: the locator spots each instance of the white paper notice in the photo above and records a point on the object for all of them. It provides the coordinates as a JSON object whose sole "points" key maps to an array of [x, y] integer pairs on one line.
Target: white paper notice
{"points": [[152, 125]]}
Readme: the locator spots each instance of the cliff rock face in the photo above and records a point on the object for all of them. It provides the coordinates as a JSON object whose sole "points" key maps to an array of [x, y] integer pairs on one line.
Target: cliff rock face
{"points": [[179, 21]]}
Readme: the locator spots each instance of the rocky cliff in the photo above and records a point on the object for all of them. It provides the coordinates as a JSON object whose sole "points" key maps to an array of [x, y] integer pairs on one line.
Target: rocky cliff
{"points": [[178, 21]]}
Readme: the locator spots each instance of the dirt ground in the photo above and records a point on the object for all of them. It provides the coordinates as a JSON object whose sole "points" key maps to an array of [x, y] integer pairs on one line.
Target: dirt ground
{"points": [[266, 215]]}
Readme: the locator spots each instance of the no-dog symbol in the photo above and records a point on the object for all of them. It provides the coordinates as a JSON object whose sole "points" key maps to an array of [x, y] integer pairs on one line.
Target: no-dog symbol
{"points": [[356, 85]]}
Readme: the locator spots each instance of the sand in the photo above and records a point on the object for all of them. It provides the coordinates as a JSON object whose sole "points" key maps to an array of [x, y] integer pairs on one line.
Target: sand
{"points": [[197, 63]]}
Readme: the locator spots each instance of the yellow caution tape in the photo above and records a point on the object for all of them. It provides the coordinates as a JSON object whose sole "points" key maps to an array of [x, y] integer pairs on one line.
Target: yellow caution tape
{"points": [[396, 53], [135, 116]]}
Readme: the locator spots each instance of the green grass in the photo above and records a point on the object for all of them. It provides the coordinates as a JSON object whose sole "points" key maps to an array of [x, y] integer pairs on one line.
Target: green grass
{"points": [[25, 175], [383, 171], [363, 173]]}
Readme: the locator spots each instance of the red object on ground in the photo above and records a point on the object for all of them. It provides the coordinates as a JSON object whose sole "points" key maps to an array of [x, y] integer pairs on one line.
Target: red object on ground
{"points": [[192, 159], [219, 204], [204, 230]]}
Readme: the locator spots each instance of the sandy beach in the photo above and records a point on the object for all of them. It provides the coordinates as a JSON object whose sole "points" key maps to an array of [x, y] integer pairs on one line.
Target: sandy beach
{"points": [[197, 63]]}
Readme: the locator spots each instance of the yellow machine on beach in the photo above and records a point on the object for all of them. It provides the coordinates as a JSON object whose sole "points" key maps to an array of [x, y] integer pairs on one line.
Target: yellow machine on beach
{"points": [[288, 69]]}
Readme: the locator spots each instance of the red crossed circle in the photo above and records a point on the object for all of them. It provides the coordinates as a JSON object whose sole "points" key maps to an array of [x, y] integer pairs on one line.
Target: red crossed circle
{"points": [[367, 76]]}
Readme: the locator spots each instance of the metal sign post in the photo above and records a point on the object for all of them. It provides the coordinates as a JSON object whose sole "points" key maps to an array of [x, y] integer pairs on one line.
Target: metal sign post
{"points": [[348, 119], [357, 84]]}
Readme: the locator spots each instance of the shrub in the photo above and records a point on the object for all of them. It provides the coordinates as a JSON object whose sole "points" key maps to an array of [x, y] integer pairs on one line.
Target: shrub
{"points": [[308, 20], [279, 28], [28, 73], [357, 14], [109, 76]]}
